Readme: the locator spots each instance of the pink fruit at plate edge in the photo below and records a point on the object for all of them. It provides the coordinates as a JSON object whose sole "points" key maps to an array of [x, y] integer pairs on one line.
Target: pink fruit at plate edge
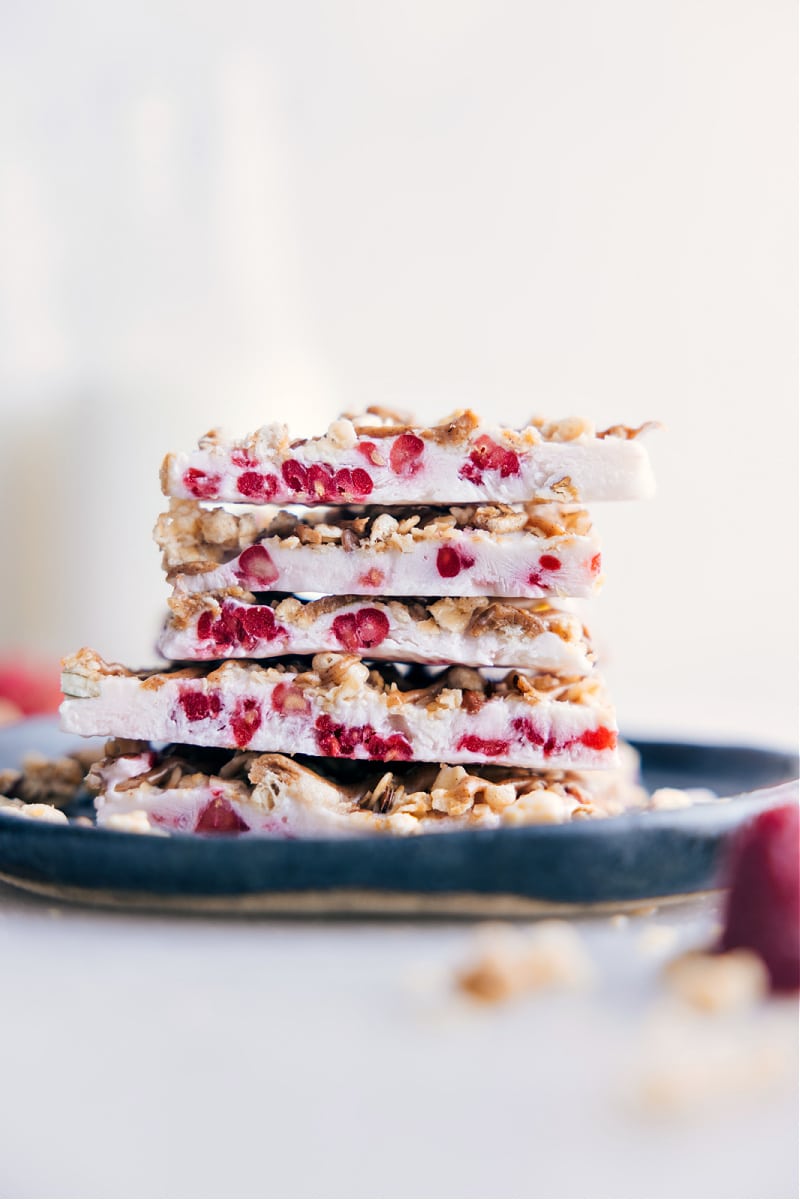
{"points": [[763, 908], [29, 689]]}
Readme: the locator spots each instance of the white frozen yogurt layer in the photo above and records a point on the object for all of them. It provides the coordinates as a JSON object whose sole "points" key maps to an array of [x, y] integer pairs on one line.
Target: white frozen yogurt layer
{"points": [[388, 459], [476, 632], [341, 709]]}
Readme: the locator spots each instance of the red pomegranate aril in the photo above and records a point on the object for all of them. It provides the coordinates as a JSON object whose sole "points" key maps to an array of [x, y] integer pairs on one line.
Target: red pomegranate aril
{"points": [[243, 458], [246, 720], [594, 566], [346, 632], [219, 816], [526, 730], [289, 698], [472, 472], [763, 908], [362, 482], [201, 485], [549, 562], [295, 476], [197, 706], [509, 464], [204, 624], [391, 749], [490, 747], [343, 487], [320, 481], [599, 739], [257, 487], [448, 562], [256, 567], [372, 627], [259, 621], [406, 453], [371, 454]]}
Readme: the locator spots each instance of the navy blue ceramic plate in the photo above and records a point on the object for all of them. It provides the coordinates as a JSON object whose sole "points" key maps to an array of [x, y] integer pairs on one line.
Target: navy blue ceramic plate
{"points": [[621, 860]]}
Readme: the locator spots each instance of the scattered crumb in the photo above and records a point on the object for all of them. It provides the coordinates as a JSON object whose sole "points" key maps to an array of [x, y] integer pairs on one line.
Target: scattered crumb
{"points": [[656, 938], [670, 798], [552, 954], [131, 822], [646, 910], [33, 812], [686, 1064], [718, 982]]}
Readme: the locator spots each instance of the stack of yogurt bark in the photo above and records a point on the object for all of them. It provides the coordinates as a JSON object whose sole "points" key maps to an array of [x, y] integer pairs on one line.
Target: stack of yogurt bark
{"points": [[395, 653]]}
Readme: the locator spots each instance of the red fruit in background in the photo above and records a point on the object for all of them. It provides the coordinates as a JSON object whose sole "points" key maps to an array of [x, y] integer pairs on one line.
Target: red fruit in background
{"points": [[763, 909], [29, 689]]}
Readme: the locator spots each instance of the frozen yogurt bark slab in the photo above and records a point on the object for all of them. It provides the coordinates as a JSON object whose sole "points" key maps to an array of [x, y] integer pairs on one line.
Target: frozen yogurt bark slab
{"points": [[479, 632], [388, 458], [533, 551], [340, 708], [185, 790]]}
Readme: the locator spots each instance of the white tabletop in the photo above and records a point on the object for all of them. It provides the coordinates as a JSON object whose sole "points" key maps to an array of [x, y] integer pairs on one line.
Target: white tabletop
{"points": [[168, 1056]]}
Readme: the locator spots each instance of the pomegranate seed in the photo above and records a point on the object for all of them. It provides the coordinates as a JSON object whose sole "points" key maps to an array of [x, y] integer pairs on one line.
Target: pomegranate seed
{"points": [[256, 567], [472, 472], [345, 631], [197, 706], [448, 562], [527, 731], [372, 626], [392, 749], [594, 566], [405, 454], [246, 720], [295, 476], [371, 580], [320, 481], [549, 562], [227, 629], [599, 739], [491, 747], [243, 458], [362, 482], [288, 697], [259, 621], [204, 623], [343, 484], [371, 453], [256, 486], [763, 909], [509, 464], [201, 484], [219, 817]]}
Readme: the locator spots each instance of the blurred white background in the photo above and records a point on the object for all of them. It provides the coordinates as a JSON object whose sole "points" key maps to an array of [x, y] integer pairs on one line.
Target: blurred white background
{"points": [[230, 213]]}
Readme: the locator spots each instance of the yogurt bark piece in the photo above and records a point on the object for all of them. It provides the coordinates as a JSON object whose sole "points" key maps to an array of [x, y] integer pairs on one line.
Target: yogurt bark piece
{"points": [[341, 709], [389, 458], [486, 550], [533, 634], [185, 790]]}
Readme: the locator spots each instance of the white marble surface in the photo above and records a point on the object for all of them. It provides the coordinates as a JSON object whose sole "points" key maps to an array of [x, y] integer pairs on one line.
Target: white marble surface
{"points": [[166, 1056]]}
